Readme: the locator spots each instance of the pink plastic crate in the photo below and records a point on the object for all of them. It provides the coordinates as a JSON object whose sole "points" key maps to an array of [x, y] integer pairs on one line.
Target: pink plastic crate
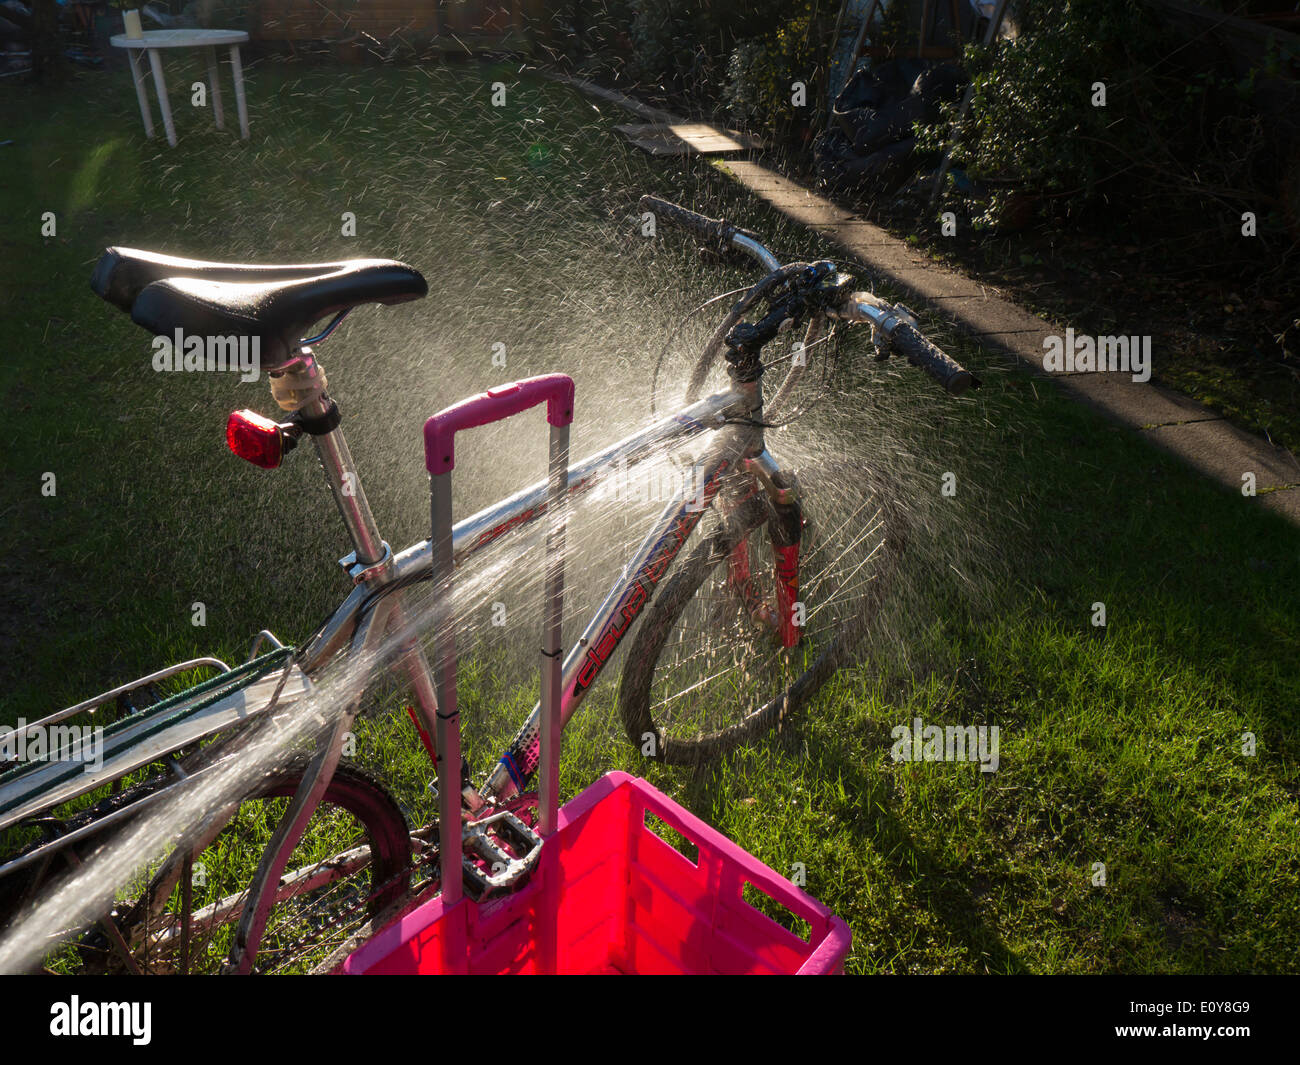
{"points": [[610, 896]]}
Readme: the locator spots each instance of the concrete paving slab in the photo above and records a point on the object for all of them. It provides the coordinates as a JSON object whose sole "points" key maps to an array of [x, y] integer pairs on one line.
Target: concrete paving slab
{"points": [[1135, 404], [853, 232], [685, 138], [758, 178], [1225, 453], [991, 316]]}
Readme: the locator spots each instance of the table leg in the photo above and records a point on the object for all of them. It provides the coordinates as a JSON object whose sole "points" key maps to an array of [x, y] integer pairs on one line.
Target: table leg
{"points": [[240, 104], [164, 105], [214, 87], [141, 93]]}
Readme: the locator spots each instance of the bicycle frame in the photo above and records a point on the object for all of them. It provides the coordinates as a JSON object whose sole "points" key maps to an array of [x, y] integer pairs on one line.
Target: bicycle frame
{"points": [[366, 623], [380, 577], [606, 628]]}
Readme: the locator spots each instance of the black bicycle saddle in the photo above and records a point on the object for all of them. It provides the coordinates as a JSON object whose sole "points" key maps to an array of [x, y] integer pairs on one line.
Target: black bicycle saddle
{"points": [[275, 304]]}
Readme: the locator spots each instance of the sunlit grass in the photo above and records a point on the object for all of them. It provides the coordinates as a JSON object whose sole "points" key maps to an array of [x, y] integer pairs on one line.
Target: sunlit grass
{"points": [[1120, 745]]}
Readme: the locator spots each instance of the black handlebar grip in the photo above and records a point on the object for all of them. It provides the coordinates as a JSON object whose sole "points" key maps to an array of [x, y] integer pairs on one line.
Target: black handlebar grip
{"points": [[712, 231], [909, 342]]}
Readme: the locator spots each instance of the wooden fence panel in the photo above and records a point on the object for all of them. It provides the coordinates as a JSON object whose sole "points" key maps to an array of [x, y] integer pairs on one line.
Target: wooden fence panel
{"points": [[323, 20]]}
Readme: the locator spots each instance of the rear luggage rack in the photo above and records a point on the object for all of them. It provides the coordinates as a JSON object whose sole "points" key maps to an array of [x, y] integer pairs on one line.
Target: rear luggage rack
{"points": [[231, 697]]}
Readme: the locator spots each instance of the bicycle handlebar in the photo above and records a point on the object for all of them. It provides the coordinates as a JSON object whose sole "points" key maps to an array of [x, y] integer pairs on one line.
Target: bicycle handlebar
{"points": [[710, 230], [896, 322], [715, 233], [908, 342]]}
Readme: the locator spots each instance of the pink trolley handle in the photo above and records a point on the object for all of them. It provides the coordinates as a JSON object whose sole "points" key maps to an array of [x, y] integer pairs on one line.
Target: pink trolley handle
{"points": [[496, 404]]}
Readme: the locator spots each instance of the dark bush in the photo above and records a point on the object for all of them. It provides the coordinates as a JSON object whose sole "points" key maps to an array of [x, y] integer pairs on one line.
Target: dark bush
{"points": [[1173, 137]]}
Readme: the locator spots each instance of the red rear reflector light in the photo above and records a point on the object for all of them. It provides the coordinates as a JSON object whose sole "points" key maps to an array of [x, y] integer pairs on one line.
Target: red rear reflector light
{"points": [[255, 439]]}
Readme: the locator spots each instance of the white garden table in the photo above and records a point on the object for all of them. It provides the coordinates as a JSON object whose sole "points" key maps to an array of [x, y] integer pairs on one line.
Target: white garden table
{"points": [[154, 41]]}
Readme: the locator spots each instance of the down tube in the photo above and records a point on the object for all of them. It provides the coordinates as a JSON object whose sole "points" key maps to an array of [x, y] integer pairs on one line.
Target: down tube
{"points": [[588, 657]]}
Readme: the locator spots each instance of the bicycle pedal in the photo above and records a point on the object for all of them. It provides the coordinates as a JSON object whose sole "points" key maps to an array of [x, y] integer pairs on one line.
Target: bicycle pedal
{"points": [[506, 846]]}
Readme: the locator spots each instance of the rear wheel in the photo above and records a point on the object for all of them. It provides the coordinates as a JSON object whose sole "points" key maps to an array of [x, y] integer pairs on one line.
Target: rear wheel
{"points": [[354, 863]]}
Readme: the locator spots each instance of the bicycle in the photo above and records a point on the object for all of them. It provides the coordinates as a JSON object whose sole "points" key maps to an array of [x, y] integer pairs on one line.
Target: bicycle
{"points": [[726, 650]]}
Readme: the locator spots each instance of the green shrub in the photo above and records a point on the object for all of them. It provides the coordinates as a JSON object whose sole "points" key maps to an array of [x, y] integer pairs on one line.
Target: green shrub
{"points": [[1032, 123], [1166, 138], [762, 70]]}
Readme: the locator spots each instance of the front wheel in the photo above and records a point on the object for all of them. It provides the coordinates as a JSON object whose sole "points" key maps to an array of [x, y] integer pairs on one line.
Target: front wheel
{"points": [[703, 676]]}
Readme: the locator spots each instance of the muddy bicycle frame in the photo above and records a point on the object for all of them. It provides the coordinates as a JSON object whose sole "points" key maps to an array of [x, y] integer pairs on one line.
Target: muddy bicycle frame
{"points": [[372, 627], [374, 608], [739, 448]]}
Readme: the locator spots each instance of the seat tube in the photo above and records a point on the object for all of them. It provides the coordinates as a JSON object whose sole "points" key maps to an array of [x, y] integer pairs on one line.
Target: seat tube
{"points": [[345, 484], [300, 388]]}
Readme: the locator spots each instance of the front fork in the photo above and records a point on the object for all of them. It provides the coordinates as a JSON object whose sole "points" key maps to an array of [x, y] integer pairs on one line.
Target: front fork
{"points": [[785, 532]]}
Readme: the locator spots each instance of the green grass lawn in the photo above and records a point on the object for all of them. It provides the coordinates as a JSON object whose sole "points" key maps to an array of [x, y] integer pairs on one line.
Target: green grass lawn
{"points": [[1120, 745]]}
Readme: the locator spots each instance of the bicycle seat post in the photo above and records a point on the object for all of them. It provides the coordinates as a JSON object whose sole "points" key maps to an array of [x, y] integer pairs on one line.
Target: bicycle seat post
{"points": [[300, 388]]}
